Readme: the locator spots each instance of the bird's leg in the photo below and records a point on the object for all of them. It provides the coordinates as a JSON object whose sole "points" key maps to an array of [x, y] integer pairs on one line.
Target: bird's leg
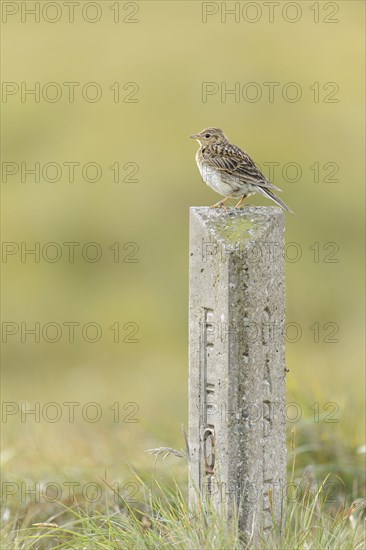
{"points": [[218, 205], [241, 200], [221, 203]]}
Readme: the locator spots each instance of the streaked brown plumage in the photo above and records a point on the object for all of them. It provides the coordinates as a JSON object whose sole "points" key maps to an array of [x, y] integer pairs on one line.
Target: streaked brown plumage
{"points": [[229, 170]]}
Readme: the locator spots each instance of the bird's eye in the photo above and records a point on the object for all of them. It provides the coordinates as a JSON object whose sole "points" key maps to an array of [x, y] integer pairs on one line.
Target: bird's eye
{"points": [[207, 135]]}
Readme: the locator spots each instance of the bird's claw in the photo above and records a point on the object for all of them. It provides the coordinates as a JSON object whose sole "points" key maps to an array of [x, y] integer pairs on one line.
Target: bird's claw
{"points": [[219, 205]]}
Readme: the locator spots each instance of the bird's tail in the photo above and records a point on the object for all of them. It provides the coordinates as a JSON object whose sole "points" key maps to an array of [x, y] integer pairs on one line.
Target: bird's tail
{"points": [[271, 195]]}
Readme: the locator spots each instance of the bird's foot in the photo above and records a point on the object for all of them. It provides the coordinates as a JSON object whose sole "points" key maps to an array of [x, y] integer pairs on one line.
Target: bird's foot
{"points": [[219, 204], [238, 204]]}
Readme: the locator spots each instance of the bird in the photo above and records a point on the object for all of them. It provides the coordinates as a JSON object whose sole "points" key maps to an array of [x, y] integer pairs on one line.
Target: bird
{"points": [[229, 170]]}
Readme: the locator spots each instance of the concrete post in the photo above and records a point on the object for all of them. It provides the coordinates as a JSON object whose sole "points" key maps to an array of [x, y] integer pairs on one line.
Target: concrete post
{"points": [[237, 406]]}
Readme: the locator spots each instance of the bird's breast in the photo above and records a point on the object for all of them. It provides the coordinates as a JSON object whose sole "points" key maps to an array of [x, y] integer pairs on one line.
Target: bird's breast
{"points": [[216, 179]]}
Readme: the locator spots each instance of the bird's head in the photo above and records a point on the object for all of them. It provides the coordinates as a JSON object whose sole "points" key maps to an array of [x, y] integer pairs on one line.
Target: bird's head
{"points": [[210, 136]]}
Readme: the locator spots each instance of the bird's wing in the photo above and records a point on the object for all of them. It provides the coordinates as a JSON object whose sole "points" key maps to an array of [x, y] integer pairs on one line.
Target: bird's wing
{"points": [[232, 160]]}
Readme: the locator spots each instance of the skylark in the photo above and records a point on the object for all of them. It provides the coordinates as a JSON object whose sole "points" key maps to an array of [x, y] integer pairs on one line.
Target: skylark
{"points": [[230, 171]]}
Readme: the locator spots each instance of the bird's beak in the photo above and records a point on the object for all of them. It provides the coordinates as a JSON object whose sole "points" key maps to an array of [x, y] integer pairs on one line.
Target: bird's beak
{"points": [[194, 136]]}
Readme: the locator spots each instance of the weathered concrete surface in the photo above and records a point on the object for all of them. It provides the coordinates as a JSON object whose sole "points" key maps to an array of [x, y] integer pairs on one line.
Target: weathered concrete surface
{"points": [[237, 408]]}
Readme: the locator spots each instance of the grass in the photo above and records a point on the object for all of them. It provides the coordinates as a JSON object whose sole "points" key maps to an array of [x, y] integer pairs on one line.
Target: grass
{"points": [[160, 518], [164, 521], [149, 509]]}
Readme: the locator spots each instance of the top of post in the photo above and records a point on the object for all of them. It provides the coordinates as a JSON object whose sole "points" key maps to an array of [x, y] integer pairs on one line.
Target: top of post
{"points": [[233, 225]]}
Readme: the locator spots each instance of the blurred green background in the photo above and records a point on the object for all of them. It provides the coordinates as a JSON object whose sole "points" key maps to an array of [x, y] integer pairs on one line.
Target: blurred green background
{"points": [[170, 52]]}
